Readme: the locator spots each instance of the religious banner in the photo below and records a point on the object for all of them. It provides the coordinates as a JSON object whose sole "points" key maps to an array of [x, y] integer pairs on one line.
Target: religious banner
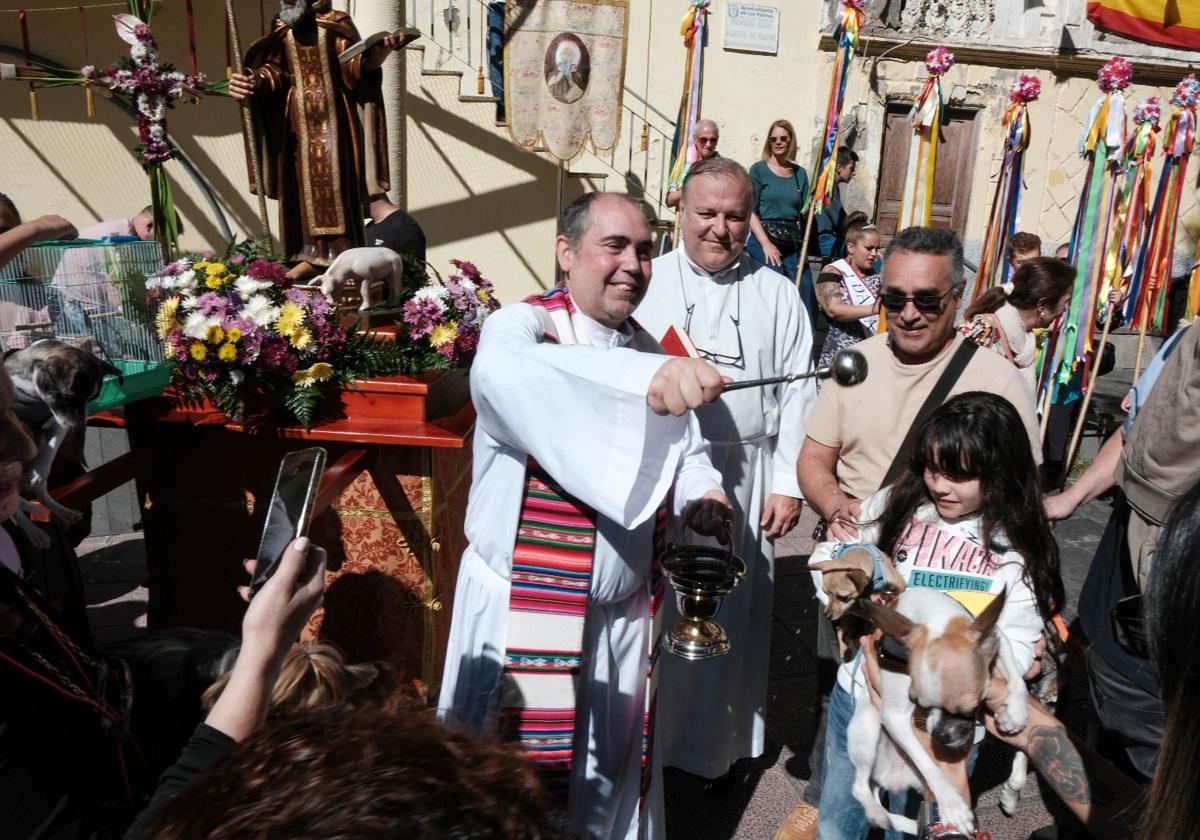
{"points": [[916, 205], [1002, 220], [564, 73]]}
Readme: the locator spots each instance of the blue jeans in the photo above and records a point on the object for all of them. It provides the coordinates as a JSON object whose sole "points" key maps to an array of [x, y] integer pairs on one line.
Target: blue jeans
{"points": [[840, 817], [790, 260]]}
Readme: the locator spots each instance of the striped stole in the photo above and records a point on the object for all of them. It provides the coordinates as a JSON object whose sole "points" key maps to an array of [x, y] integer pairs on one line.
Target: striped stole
{"points": [[551, 583]]}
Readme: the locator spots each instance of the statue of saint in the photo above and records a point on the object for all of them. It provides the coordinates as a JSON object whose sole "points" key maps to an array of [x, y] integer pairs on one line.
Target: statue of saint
{"points": [[320, 127]]}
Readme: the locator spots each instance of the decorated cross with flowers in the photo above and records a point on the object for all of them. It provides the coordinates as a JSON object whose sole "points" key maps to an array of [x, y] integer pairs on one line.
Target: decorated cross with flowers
{"points": [[153, 87]]}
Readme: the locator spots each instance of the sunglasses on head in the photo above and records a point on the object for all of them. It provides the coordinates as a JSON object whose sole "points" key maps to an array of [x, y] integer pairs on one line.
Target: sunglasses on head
{"points": [[923, 301]]}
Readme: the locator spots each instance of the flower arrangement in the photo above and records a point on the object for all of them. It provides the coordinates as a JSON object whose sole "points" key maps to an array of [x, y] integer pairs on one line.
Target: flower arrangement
{"points": [[1115, 74], [1025, 89], [938, 61], [153, 87], [443, 319], [1149, 110], [1187, 92], [260, 349]]}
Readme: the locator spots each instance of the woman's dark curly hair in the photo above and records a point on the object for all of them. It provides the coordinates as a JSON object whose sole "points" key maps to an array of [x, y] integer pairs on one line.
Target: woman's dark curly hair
{"points": [[374, 772], [980, 435]]}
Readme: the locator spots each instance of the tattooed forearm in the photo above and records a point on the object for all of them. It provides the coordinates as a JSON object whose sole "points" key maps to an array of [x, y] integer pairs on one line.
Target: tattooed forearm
{"points": [[1059, 763]]}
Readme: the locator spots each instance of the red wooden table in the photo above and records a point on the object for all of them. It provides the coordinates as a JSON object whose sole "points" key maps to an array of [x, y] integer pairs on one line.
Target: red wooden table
{"points": [[390, 512]]}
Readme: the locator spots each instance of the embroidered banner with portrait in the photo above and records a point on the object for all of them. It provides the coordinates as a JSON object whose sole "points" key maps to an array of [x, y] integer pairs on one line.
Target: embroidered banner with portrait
{"points": [[564, 73]]}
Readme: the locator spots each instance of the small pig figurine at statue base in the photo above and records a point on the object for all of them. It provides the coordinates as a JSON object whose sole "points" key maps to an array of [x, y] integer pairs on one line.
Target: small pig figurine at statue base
{"points": [[365, 266]]}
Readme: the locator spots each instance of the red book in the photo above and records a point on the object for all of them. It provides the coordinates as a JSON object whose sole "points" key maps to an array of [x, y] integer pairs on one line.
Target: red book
{"points": [[677, 343]]}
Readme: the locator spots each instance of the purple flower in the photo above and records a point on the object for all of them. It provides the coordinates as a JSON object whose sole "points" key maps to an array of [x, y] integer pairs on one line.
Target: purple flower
{"points": [[212, 303], [237, 259]]}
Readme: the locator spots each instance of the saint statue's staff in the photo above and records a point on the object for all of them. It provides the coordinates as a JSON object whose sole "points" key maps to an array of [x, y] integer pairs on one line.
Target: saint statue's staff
{"points": [[248, 135]]}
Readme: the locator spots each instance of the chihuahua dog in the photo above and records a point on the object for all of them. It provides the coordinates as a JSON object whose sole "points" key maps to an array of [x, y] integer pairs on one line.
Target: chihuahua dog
{"points": [[54, 381], [853, 569], [949, 668]]}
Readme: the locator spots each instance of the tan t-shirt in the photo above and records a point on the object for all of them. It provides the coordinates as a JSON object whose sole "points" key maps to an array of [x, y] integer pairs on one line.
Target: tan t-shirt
{"points": [[867, 423]]}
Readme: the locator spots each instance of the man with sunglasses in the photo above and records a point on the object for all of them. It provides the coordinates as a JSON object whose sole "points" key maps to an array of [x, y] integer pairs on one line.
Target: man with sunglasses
{"points": [[707, 137], [853, 435], [748, 322]]}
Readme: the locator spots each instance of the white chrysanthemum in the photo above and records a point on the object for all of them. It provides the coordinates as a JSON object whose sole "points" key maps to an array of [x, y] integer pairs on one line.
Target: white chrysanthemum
{"points": [[260, 310], [196, 325], [468, 285], [247, 287], [186, 281], [435, 293]]}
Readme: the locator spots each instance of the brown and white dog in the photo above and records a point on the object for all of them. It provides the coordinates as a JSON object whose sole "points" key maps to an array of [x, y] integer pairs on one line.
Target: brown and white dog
{"points": [[853, 569], [54, 381], [949, 668]]}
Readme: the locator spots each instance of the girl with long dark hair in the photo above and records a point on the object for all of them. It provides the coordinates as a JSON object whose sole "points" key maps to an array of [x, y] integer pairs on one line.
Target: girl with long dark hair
{"points": [[965, 517]]}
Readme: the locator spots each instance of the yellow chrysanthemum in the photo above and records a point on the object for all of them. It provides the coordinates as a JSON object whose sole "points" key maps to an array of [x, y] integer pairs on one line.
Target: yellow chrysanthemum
{"points": [[227, 353], [199, 351], [214, 282], [165, 320], [301, 338], [215, 268], [483, 295], [214, 334], [233, 334], [443, 334], [291, 317], [317, 373], [200, 266]]}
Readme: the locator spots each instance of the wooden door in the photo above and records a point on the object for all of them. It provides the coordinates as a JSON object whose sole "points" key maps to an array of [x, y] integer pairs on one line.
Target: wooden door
{"points": [[952, 176]]}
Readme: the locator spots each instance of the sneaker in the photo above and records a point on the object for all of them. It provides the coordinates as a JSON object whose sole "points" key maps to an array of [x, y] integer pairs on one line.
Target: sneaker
{"points": [[801, 824]]}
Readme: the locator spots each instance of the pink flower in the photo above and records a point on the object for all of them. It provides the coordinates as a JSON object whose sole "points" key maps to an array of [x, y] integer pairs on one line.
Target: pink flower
{"points": [[1026, 89], [1115, 74], [267, 270], [1148, 111], [938, 61], [1187, 92]]}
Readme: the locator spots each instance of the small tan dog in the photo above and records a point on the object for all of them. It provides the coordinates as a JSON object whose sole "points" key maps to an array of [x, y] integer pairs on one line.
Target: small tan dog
{"points": [[853, 569], [950, 657]]}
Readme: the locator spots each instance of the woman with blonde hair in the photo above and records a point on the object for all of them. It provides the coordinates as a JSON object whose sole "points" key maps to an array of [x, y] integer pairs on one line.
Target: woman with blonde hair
{"points": [[780, 186], [316, 676]]}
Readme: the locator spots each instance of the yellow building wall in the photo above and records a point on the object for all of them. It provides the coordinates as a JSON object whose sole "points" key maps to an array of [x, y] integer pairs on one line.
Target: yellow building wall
{"points": [[475, 194]]}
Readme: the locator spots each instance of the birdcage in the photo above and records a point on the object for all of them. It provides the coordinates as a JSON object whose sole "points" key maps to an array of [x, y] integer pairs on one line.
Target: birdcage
{"points": [[93, 289]]}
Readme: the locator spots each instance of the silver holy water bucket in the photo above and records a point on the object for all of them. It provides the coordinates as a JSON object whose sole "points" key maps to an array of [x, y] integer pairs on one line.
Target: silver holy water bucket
{"points": [[701, 575]]}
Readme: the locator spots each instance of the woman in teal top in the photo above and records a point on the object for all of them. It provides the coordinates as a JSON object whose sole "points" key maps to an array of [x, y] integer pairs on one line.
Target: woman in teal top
{"points": [[780, 186]]}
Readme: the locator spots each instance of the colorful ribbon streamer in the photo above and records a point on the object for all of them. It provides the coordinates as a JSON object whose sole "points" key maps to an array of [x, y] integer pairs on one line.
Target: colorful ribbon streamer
{"points": [[916, 205], [1096, 221], [1002, 220], [683, 146], [1146, 304], [845, 35]]}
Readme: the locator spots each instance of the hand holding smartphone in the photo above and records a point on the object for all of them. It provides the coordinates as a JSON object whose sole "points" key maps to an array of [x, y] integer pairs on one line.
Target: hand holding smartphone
{"points": [[291, 509]]}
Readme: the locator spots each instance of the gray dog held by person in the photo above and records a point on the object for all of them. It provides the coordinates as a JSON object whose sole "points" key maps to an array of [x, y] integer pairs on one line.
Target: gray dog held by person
{"points": [[54, 381]]}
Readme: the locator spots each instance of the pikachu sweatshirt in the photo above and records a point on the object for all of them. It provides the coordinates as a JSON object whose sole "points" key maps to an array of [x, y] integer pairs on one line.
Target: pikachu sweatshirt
{"points": [[949, 556]]}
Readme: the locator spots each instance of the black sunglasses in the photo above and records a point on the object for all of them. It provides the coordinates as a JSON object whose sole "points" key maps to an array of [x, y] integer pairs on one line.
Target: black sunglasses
{"points": [[924, 301]]}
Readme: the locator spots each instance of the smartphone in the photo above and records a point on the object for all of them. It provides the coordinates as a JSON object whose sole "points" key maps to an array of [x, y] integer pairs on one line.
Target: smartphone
{"points": [[291, 509]]}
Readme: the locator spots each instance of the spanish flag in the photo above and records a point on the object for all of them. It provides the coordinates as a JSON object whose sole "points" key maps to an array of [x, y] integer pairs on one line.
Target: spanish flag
{"points": [[1167, 23]]}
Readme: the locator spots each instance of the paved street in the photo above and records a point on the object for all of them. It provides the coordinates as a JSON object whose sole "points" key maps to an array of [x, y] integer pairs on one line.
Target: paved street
{"points": [[761, 792]]}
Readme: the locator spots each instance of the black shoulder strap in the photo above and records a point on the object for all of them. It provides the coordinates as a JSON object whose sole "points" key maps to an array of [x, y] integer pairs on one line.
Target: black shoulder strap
{"points": [[941, 388]]}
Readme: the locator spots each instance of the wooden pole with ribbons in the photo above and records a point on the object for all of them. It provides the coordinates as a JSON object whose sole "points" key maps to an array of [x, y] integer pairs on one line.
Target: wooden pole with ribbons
{"points": [[824, 181], [248, 134], [694, 30], [1109, 311]]}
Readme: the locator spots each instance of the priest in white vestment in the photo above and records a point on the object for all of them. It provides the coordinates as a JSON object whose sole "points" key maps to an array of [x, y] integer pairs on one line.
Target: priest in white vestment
{"points": [[749, 323], [566, 384]]}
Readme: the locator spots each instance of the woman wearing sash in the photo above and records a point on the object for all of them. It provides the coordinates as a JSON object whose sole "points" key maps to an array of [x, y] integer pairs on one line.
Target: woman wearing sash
{"points": [[1004, 317], [848, 292]]}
